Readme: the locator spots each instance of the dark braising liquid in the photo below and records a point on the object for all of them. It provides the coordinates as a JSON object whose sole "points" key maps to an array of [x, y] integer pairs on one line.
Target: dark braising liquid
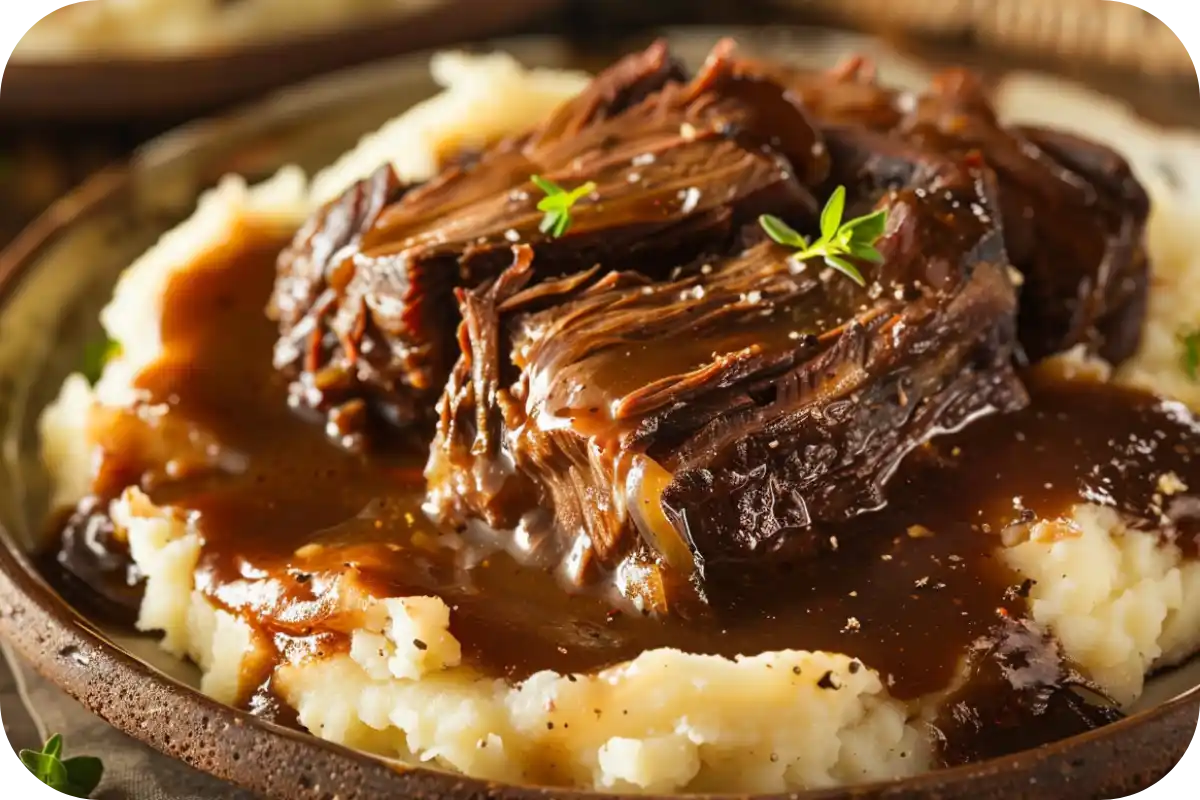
{"points": [[286, 516]]}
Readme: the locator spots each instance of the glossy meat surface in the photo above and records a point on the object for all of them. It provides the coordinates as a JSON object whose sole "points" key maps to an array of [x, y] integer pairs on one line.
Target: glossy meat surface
{"points": [[364, 297], [670, 429], [1073, 213]]}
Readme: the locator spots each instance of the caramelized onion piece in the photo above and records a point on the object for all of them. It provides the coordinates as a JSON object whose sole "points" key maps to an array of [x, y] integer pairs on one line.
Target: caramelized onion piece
{"points": [[643, 491]]}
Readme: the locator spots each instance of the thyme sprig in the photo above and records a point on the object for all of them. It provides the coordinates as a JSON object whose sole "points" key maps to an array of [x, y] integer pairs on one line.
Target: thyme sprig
{"points": [[838, 241], [76, 777], [556, 205]]}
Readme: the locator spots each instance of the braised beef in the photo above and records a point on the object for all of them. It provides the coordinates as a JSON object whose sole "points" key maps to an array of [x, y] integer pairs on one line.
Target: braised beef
{"points": [[93, 565], [364, 297], [712, 421], [1017, 691], [1074, 214], [312, 278], [1084, 253], [365, 294]]}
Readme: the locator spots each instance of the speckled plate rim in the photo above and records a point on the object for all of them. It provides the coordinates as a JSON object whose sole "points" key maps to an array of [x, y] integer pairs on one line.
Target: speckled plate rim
{"points": [[177, 720]]}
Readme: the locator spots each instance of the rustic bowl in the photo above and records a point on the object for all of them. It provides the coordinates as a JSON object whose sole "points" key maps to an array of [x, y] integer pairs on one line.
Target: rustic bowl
{"points": [[55, 277], [117, 88]]}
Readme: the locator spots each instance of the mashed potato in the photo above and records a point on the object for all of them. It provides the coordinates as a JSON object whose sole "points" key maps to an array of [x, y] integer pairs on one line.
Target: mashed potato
{"points": [[1120, 602], [765, 723]]}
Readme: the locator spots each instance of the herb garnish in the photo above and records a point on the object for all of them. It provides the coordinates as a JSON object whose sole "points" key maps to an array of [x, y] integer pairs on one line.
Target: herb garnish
{"points": [[855, 238], [1190, 357], [77, 777], [96, 355], [557, 204]]}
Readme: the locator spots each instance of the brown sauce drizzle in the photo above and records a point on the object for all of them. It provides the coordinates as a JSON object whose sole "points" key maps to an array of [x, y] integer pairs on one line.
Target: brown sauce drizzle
{"points": [[286, 517]]}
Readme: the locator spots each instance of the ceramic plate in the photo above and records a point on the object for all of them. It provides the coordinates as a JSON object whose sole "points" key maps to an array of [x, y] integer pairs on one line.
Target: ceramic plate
{"points": [[55, 278]]}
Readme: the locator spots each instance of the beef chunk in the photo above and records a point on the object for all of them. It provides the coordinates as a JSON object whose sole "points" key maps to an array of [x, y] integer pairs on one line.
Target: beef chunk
{"points": [[312, 278], [1017, 692], [662, 431], [364, 297], [1074, 214], [1084, 253]]}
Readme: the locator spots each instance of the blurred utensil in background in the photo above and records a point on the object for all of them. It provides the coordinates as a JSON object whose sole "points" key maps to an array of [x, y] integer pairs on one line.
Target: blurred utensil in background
{"points": [[1096, 31]]}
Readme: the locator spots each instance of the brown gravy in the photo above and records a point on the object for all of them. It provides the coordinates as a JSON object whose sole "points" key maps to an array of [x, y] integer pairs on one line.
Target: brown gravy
{"points": [[908, 590]]}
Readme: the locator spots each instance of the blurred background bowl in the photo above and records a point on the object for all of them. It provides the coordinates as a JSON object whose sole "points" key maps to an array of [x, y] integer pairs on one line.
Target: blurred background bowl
{"points": [[68, 77]]}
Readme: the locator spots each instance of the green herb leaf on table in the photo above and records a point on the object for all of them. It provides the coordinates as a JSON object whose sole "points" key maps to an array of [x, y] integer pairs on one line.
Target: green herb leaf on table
{"points": [[1190, 355], [76, 777], [96, 355], [556, 205], [839, 242], [83, 774]]}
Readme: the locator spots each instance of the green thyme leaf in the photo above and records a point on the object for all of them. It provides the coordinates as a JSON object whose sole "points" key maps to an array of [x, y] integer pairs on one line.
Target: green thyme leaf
{"points": [[1190, 355], [831, 217], [77, 777], [549, 223], [46, 768], [556, 205], [866, 252], [839, 242], [867, 228], [96, 355], [561, 223], [53, 747], [549, 187], [846, 268], [84, 774], [781, 232]]}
